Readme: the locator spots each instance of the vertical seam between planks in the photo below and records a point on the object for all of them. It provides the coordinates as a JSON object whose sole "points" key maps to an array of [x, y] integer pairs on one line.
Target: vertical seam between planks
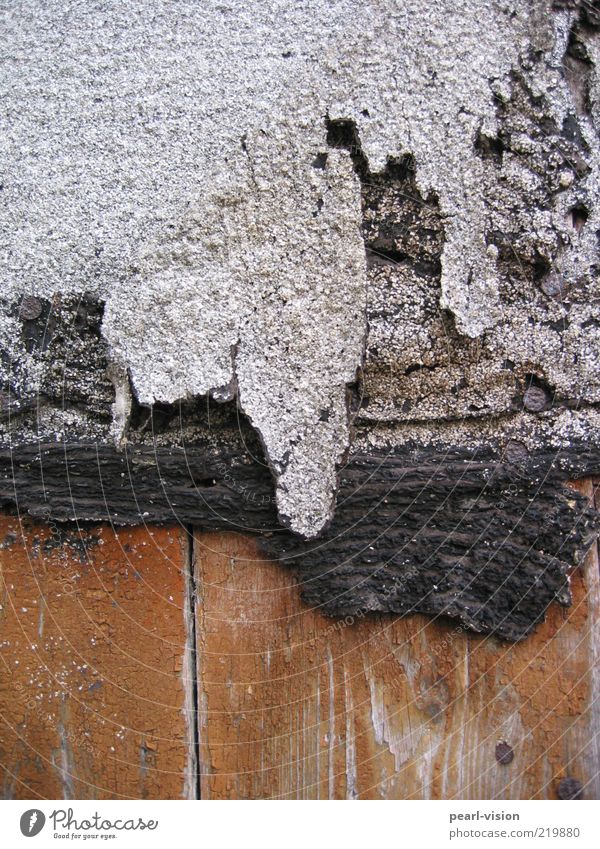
{"points": [[192, 637]]}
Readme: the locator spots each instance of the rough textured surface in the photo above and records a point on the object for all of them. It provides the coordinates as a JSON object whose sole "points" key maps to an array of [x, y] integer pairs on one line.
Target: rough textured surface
{"points": [[488, 544], [185, 187], [259, 293], [487, 540]]}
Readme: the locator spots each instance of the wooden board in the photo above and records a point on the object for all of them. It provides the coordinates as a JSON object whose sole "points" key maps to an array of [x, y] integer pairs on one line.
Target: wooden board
{"points": [[296, 705], [100, 630], [92, 653]]}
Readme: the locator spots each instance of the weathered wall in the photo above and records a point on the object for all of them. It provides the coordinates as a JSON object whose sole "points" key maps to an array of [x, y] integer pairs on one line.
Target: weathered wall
{"points": [[370, 234]]}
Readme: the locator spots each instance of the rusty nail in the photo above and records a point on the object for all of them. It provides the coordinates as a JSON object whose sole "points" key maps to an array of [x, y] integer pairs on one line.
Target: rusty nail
{"points": [[516, 452], [504, 753], [553, 286], [30, 309]]}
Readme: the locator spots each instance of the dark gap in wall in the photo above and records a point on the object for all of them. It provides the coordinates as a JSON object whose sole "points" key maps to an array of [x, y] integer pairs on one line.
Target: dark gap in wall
{"points": [[379, 256], [320, 161], [489, 147], [579, 216], [578, 68], [343, 133], [403, 232]]}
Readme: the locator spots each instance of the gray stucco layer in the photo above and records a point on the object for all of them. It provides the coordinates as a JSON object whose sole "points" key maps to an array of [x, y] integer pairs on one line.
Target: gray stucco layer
{"points": [[171, 159]]}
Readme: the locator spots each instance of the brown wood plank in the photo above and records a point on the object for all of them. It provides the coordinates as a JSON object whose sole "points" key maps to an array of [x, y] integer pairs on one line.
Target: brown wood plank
{"points": [[94, 650], [296, 705], [92, 647]]}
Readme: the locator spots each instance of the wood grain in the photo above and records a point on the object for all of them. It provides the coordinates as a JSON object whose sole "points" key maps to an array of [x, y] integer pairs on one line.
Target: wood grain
{"points": [[99, 631], [92, 654], [296, 705]]}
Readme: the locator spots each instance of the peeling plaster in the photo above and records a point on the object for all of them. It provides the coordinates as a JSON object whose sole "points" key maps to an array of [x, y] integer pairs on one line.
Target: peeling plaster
{"points": [[171, 159], [261, 293]]}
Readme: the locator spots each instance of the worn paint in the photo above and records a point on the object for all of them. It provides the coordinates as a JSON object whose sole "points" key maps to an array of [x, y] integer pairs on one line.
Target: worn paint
{"points": [[290, 703]]}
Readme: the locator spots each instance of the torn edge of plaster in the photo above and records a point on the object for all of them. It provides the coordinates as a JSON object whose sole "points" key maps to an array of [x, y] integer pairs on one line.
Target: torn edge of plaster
{"points": [[306, 478]]}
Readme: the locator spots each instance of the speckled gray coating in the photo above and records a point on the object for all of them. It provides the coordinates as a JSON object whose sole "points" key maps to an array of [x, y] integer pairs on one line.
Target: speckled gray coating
{"points": [[169, 158]]}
